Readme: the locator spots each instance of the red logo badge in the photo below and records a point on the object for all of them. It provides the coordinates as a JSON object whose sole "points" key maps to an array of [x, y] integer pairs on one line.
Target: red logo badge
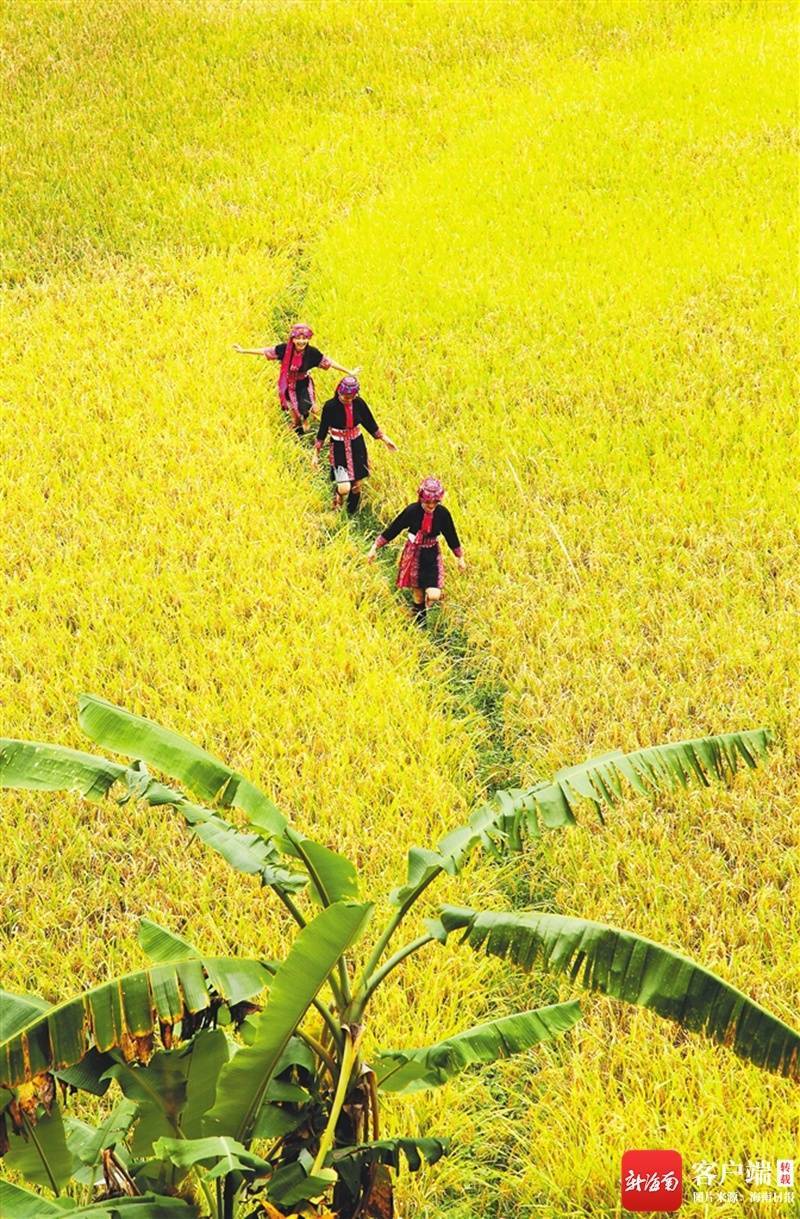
{"points": [[652, 1180]]}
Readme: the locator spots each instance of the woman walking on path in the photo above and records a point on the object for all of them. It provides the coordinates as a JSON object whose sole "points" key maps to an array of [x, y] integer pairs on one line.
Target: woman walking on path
{"points": [[421, 563], [295, 385], [342, 418]]}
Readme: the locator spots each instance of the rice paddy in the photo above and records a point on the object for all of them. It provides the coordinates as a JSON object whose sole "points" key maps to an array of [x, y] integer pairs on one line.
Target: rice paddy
{"points": [[559, 241]]}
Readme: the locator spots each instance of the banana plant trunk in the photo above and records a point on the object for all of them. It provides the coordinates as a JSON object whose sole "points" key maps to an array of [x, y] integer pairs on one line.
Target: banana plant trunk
{"points": [[359, 1122]]}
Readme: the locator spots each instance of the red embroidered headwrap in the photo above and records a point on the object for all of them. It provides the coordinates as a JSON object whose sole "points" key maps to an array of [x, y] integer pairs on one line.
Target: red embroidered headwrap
{"points": [[348, 386], [431, 488]]}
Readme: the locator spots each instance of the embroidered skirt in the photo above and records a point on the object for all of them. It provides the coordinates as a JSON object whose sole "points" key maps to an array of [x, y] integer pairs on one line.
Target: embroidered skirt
{"points": [[300, 399], [349, 459], [421, 566]]}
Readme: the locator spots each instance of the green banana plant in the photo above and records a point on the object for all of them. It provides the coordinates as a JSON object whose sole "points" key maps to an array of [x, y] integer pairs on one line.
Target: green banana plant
{"points": [[248, 1086]]}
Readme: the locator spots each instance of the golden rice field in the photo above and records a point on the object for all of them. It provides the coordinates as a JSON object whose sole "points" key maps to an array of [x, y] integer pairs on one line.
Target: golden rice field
{"points": [[560, 241]]}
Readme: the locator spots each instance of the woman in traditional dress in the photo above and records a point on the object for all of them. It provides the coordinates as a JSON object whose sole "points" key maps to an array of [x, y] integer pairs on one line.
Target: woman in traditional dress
{"points": [[342, 418], [421, 562], [295, 385]]}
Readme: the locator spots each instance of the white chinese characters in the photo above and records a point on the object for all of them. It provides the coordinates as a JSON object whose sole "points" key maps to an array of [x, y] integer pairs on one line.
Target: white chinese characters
{"points": [[651, 1182], [740, 1180]]}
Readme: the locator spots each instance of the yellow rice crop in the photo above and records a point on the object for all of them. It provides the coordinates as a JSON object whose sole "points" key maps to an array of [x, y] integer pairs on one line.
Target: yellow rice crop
{"points": [[558, 239]]}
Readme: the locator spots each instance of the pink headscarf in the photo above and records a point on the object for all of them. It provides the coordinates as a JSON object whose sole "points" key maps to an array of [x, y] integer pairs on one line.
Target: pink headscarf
{"points": [[430, 488], [348, 387]]}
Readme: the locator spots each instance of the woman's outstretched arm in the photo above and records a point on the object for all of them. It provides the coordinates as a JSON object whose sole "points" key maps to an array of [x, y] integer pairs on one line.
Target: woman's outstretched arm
{"points": [[372, 427], [401, 521], [269, 352], [349, 372]]}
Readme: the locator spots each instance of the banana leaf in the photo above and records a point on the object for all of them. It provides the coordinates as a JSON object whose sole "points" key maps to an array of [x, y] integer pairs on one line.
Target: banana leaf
{"points": [[88, 1075], [137, 737], [649, 771], [333, 876], [247, 852], [36, 767], [163, 945], [219, 1155], [174, 1090], [87, 1143], [349, 1162], [626, 966], [294, 1182], [16, 1011], [244, 1081], [510, 815], [54, 768], [41, 1155], [17, 1203], [210, 1051], [414, 1070], [26, 764], [273, 1122], [124, 1014]]}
